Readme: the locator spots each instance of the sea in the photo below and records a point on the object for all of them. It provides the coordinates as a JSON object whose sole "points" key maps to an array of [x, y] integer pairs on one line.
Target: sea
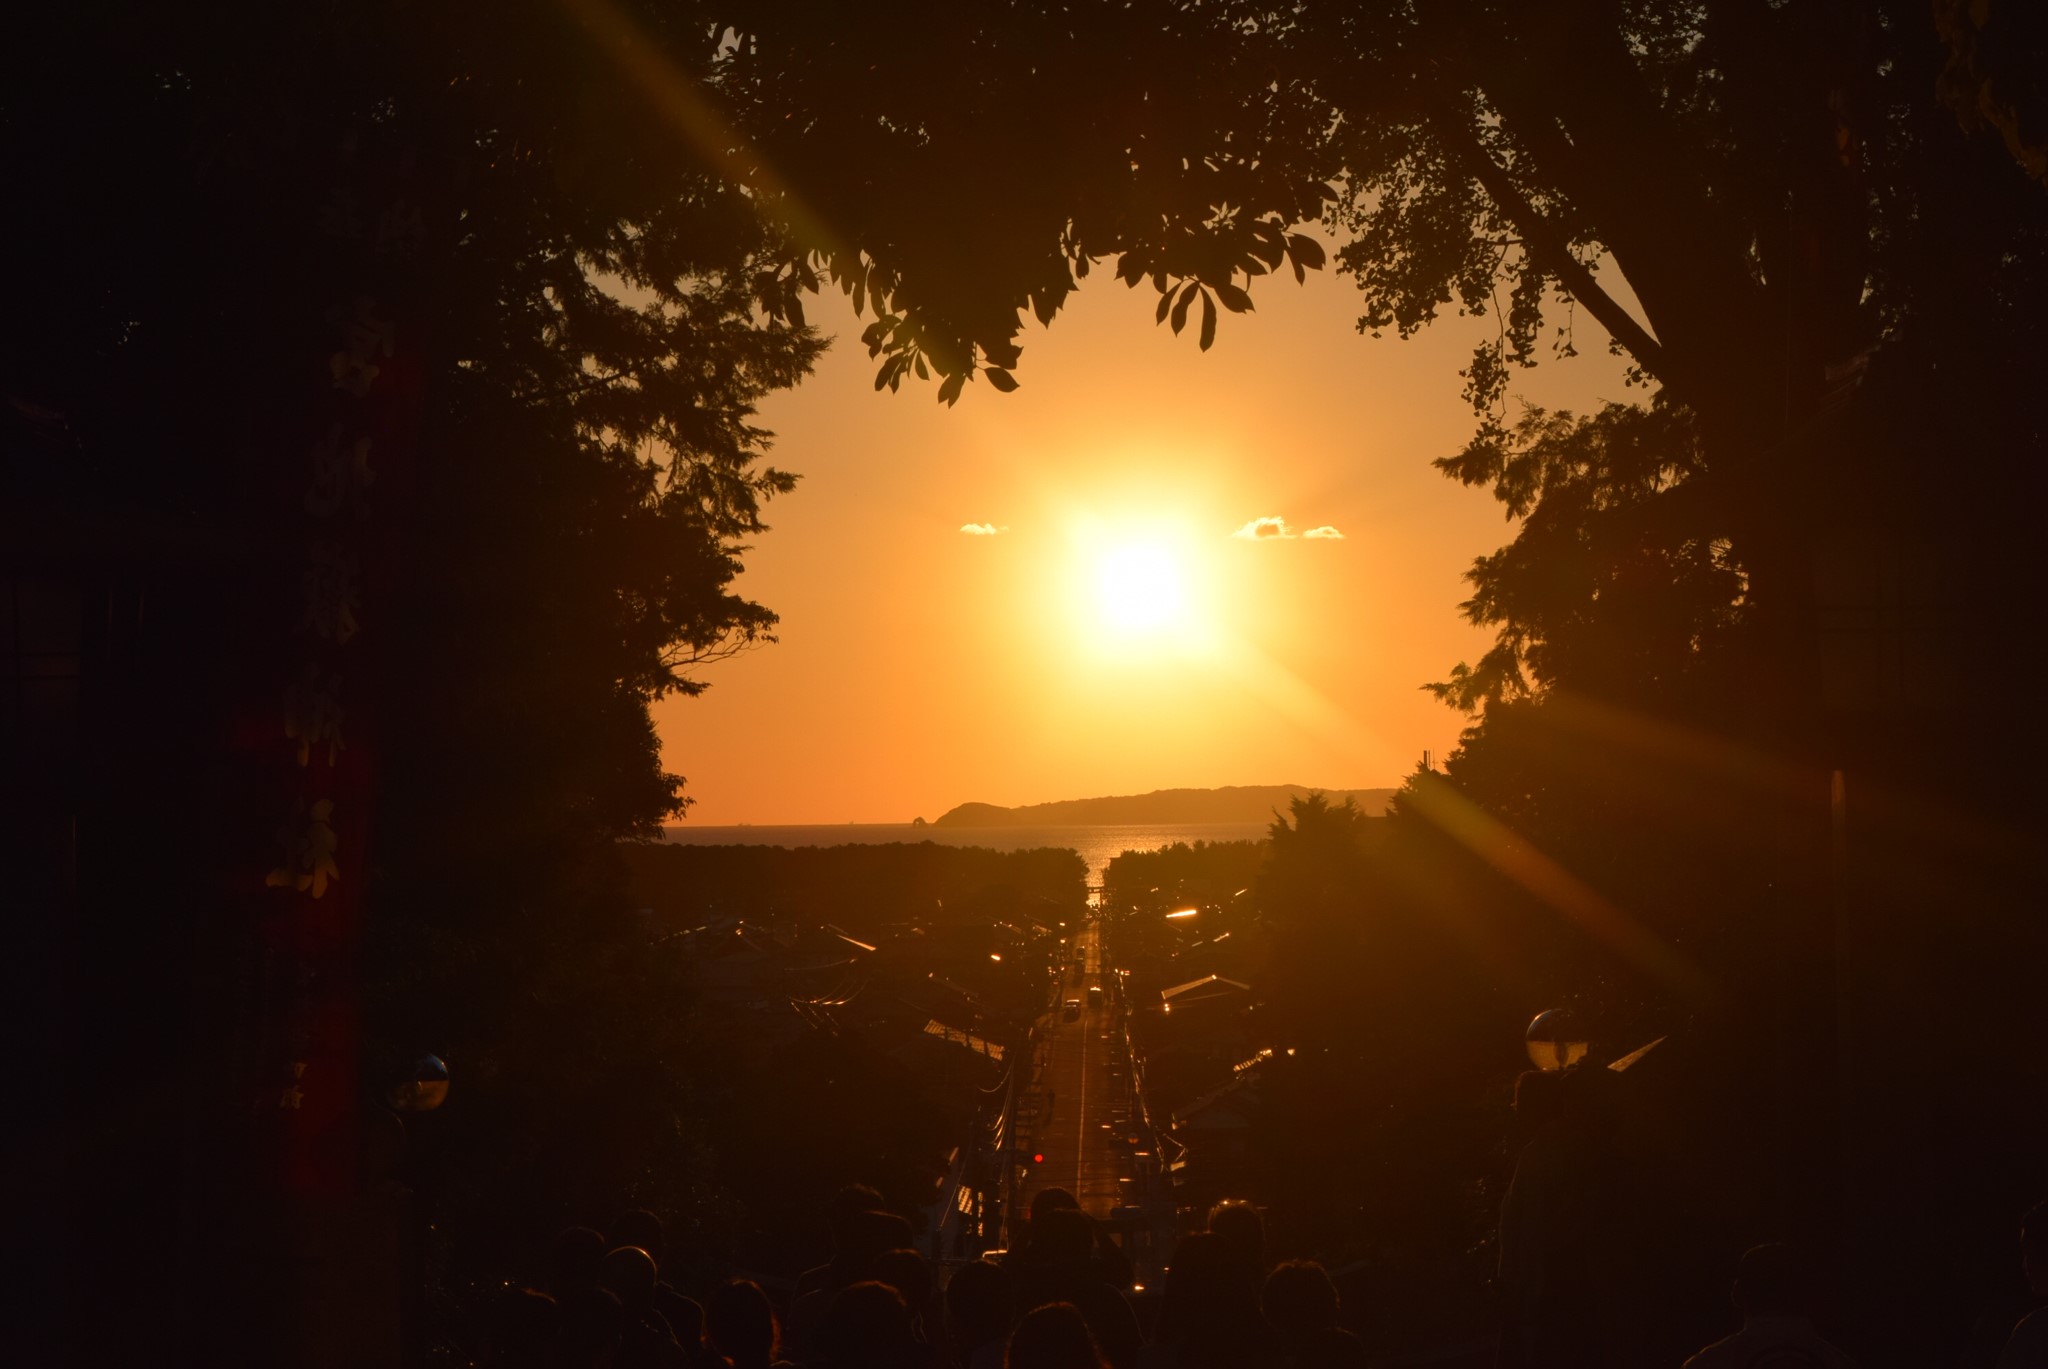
{"points": [[1096, 845]]}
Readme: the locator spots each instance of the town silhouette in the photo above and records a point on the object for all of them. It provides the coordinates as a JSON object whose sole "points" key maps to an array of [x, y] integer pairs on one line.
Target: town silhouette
{"points": [[386, 428]]}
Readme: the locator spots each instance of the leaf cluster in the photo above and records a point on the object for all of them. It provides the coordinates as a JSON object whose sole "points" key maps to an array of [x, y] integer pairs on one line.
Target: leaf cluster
{"points": [[1608, 585], [968, 166]]}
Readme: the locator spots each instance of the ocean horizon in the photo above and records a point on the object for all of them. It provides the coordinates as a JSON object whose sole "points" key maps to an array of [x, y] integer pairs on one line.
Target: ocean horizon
{"points": [[1097, 845]]}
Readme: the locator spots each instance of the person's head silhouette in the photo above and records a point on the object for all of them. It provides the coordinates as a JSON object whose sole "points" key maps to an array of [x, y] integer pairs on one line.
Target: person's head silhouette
{"points": [[1210, 1298], [591, 1325], [522, 1332], [1242, 1230], [866, 1238], [1047, 1199], [1299, 1300], [2034, 1248], [1053, 1337], [1771, 1281], [866, 1326], [1063, 1235], [904, 1270], [849, 1204], [573, 1258], [978, 1304], [639, 1228], [629, 1273], [739, 1324]]}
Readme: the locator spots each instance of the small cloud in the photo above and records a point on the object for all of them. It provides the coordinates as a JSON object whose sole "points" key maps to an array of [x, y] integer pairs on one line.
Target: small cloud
{"points": [[1269, 529], [981, 529], [1274, 528]]}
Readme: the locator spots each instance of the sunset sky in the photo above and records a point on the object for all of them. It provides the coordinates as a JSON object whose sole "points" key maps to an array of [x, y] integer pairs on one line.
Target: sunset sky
{"points": [[1101, 630]]}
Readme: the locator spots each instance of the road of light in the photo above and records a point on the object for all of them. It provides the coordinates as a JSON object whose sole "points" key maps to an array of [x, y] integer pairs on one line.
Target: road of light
{"points": [[1081, 1108]]}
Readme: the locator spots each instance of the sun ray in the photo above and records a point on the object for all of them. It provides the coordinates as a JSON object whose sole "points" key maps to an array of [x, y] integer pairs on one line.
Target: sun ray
{"points": [[1500, 846]]}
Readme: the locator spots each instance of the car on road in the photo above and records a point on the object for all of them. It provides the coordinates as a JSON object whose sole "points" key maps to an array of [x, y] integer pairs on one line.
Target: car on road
{"points": [[1094, 995], [1071, 1012]]}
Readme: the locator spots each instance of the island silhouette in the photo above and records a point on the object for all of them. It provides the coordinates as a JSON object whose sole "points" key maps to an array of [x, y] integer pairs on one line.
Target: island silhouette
{"points": [[1231, 803]]}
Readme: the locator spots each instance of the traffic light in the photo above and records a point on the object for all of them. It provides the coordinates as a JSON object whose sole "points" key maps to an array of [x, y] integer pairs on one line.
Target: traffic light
{"points": [[1038, 1157]]}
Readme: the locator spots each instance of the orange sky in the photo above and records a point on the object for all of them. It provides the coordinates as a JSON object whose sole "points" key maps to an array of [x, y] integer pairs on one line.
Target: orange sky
{"points": [[920, 667]]}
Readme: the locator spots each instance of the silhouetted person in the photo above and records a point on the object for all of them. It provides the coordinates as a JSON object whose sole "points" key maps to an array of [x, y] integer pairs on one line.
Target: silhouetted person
{"points": [[643, 1230], [1242, 1230], [2027, 1346], [1061, 1265], [696, 1262], [592, 1325], [978, 1315], [863, 1238], [906, 1271], [523, 1330], [1022, 1253], [881, 1231], [573, 1257], [1209, 1313], [866, 1327], [1054, 1336], [1569, 1290], [1772, 1292], [1112, 1265], [1300, 1307], [740, 1326], [847, 1207], [647, 1341]]}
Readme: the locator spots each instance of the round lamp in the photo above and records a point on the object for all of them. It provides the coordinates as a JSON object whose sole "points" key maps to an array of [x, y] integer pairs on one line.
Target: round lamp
{"points": [[1555, 1040], [425, 1087]]}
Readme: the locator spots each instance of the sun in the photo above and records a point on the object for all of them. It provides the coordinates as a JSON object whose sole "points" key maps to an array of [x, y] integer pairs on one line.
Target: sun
{"points": [[1141, 587], [1137, 590]]}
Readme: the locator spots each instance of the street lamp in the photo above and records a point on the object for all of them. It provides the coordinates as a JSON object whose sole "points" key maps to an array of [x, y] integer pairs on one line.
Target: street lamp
{"points": [[424, 1088], [1555, 1040]]}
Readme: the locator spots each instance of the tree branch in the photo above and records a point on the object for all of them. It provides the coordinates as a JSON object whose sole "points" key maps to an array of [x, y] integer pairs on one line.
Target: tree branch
{"points": [[1550, 248]]}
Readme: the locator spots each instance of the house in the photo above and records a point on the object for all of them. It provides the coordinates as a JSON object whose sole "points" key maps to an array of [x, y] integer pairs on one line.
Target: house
{"points": [[1214, 1135], [1210, 989]]}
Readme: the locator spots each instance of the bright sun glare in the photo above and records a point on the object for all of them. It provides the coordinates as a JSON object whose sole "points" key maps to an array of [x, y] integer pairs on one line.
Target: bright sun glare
{"points": [[1141, 588]]}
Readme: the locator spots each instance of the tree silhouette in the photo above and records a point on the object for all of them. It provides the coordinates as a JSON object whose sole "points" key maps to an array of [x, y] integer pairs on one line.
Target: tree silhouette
{"points": [[1605, 588], [430, 257], [1317, 856], [588, 302], [1747, 168]]}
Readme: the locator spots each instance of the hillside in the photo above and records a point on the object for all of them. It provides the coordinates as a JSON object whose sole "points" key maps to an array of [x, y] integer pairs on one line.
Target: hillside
{"points": [[1237, 803]]}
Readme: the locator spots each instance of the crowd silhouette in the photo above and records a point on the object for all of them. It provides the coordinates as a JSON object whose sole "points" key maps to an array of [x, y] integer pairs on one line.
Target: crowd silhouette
{"points": [[1070, 1298], [1066, 1297]]}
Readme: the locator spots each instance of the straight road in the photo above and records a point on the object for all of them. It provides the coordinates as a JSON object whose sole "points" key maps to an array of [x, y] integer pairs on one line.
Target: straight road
{"points": [[1085, 1076]]}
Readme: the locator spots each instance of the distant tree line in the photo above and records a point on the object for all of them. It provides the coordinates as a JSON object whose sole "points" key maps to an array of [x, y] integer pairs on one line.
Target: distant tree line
{"points": [[1183, 872], [860, 887]]}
